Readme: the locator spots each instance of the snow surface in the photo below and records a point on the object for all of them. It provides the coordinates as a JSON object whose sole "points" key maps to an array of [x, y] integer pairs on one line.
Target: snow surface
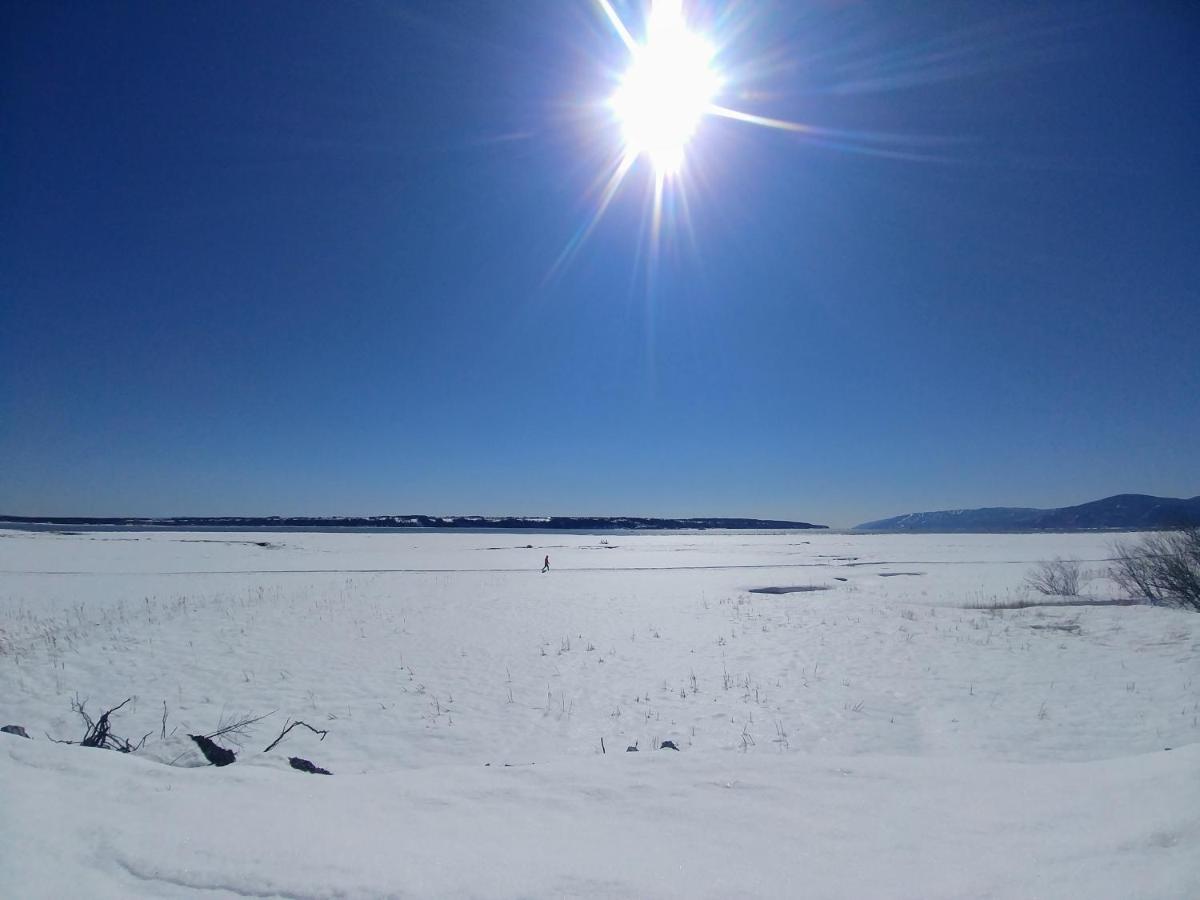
{"points": [[886, 737]]}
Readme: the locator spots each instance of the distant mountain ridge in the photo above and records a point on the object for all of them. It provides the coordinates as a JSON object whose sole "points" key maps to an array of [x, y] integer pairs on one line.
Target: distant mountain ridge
{"points": [[542, 523], [1123, 511]]}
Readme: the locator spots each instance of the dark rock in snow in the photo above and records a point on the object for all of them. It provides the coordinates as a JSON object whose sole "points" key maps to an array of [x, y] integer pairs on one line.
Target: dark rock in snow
{"points": [[214, 753], [632, 748], [15, 729], [305, 766], [667, 745]]}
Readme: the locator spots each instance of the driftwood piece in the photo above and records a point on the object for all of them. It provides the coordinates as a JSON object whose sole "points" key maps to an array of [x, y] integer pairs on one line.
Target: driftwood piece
{"points": [[305, 766], [214, 753]]}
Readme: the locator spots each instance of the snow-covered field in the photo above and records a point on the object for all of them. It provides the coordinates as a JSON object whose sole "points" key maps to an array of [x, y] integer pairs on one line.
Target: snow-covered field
{"points": [[889, 735]]}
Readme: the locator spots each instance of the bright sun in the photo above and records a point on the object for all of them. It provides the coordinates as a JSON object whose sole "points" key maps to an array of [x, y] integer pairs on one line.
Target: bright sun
{"points": [[667, 89], [669, 86]]}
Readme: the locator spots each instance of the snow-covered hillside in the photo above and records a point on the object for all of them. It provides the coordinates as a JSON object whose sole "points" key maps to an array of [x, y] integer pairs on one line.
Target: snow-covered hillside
{"points": [[884, 732]]}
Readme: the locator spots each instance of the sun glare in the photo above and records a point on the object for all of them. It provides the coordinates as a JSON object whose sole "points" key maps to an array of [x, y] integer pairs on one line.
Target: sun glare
{"points": [[667, 89]]}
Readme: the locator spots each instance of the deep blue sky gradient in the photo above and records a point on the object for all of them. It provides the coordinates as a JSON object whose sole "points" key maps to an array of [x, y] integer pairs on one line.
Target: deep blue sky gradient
{"points": [[296, 258]]}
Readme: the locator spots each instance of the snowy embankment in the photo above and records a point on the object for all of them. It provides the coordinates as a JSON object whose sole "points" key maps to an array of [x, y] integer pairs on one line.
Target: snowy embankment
{"points": [[872, 739]]}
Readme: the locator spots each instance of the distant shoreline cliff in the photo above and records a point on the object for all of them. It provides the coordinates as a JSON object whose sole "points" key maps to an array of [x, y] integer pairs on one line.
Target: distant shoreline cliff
{"points": [[540, 523]]}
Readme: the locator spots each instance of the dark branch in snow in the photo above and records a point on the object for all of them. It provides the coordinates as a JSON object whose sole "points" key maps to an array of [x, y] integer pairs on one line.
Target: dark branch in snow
{"points": [[288, 728]]}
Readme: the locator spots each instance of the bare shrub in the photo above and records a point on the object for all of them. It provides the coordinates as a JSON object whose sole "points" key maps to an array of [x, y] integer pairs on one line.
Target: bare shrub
{"points": [[98, 732], [1162, 568], [1057, 578]]}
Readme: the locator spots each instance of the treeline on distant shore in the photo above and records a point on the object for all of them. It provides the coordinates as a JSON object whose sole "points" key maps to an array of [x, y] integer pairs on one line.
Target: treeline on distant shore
{"points": [[556, 523]]}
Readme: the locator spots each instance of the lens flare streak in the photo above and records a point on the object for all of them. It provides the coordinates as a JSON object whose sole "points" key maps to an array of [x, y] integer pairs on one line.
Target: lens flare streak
{"points": [[611, 186], [618, 25], [764, 121]]}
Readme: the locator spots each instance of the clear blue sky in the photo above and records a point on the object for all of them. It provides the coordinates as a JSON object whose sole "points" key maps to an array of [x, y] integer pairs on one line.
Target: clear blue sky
{"points": [[293, 258]]}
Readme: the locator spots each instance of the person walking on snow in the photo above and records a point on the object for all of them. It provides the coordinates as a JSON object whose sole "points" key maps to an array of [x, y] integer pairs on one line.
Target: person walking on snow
{"points": [[546, 564]]}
